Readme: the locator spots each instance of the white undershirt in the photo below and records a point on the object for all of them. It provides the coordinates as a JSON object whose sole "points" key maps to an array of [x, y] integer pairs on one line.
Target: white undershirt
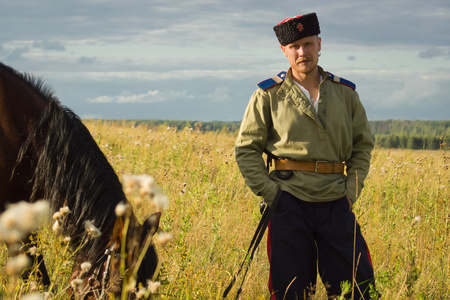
{"points": [[315, 104]]}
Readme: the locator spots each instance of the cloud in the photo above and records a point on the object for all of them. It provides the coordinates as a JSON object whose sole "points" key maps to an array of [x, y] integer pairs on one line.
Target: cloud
{"points": [[148, 97], [404, 94], [49, 45], [433, 52], [87, 60], [220, 94], [17, 53]]}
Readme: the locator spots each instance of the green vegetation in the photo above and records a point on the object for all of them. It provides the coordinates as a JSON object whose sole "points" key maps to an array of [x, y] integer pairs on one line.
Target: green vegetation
{"points": [[430, 135], [391, 134], [403, 210]]}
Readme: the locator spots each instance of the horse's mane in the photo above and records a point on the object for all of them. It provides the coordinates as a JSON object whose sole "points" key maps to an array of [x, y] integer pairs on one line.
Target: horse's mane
{"points": [[36, 83], [71, 170]]}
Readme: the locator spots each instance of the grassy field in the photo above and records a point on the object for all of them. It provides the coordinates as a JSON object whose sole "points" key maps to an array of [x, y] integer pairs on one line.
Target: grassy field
{"points": [[404, 213]]}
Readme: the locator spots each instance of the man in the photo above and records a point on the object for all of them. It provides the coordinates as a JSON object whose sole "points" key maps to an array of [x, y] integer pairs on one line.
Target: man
{"points": [[313, 124]]}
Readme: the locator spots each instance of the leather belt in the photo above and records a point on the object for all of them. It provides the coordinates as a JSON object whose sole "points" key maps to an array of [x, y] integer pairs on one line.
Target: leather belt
{"points": [[322, 167]]}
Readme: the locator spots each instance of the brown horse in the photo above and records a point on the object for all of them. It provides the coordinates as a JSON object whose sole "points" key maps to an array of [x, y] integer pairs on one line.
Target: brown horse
{"points": [[47, 153]]}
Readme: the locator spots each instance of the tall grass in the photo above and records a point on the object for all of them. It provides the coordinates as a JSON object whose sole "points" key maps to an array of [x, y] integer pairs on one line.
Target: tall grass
{"points": [[403, 211]]}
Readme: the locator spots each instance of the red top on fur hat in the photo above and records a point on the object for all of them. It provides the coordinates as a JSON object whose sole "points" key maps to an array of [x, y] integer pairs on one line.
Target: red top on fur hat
{"points": [[291, 29]]}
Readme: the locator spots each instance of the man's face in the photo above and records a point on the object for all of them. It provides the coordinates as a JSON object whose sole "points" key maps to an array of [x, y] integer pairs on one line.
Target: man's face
{"points": [[303, 54]]}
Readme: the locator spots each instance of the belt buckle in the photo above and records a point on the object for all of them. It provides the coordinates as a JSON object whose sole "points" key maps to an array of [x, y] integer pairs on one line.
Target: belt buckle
{"points": [[317, 165]]}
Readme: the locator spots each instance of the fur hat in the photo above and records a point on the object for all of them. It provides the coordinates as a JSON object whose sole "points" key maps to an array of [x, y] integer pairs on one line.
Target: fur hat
{"points": [[291, 29]]}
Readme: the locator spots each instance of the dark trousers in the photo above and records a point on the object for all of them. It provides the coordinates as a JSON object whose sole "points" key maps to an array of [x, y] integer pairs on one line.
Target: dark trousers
{"points": [[307, 237]]}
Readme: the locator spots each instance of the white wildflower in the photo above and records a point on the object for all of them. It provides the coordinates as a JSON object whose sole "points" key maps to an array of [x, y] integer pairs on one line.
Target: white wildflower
{"points": [[161, 202], [121, 209], [163, 239], [64, 210], [22, 218], [15, 265], [141, 293], [35, 296], [67, 240], [41, 208], [417, 220], [33, 250], [77, 284], [57, 227], [57, 216], [33, 286], [131, 285], [85, 267], [131, 183], [91, 230], [146, 184], [153, 286]]}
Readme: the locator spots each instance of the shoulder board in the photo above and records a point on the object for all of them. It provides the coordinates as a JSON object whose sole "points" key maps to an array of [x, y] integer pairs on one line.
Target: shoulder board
{"points": [[341, 80], [270, 82]]}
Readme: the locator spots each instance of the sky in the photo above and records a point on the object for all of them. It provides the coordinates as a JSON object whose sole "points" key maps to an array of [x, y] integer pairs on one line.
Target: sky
{"points": [[201, 59]]}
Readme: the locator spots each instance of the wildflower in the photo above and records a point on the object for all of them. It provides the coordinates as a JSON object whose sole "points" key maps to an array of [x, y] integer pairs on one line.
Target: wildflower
{"points": [[130, 183], [164, 238], [146, 183], [153, 286], [35, 296], [33, 250], [16, 264], [85, 267], [57, 227], [33, 286], [57, 216], [417, 220], [91, 230], [145, 186], [121, 209], [77, 284], [67, 240], [141, 293], [131, 285], [22, 218], [161, 201], [64, 210]]}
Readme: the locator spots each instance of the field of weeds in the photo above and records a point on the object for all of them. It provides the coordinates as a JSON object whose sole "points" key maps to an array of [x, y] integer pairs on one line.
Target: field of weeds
{"points": [[404, 213]]}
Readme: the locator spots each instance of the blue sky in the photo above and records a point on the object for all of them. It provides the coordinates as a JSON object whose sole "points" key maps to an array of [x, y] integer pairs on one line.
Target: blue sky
{"points": [[201, 59]]}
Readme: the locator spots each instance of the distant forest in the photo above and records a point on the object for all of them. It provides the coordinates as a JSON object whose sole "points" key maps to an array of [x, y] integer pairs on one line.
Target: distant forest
{"points": [[430, 135]]}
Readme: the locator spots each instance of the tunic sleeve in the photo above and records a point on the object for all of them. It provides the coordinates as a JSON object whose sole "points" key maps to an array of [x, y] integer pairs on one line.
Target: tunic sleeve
{"points": [[250, 144], [363, 142]]}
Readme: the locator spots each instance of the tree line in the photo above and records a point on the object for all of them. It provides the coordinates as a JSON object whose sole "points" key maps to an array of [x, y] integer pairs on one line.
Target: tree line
{"points": [[401, 134]]}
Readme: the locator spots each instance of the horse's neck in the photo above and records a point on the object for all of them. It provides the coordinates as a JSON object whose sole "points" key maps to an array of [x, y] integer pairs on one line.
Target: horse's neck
{"points": [[20, 109]]}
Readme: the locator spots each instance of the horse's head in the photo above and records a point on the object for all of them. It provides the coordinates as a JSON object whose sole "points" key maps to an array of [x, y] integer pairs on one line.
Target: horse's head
{"points": [[128, 263]]}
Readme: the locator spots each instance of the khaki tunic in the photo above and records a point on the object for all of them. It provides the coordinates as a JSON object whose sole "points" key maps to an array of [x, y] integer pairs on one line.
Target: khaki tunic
{"points": [[282, 121]]}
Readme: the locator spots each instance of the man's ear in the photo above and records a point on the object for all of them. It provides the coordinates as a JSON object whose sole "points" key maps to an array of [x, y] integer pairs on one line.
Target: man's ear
{"points": [[283, 48]]}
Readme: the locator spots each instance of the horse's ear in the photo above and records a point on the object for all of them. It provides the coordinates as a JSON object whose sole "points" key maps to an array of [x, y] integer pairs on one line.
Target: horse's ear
{"points": [[152, 223]]}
